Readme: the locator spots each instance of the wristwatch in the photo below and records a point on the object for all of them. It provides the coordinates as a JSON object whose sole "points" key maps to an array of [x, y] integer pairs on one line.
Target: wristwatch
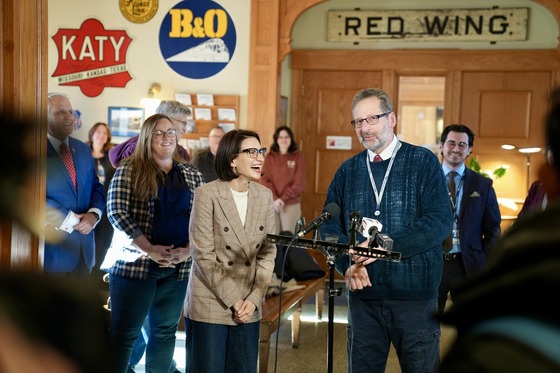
{"points": [[95, 213]]}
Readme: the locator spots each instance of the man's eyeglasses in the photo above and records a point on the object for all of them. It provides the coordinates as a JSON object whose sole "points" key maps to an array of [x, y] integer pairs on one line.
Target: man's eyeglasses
{"points": [[452, 144], [371, 120], [169, 133], [253, 152]]}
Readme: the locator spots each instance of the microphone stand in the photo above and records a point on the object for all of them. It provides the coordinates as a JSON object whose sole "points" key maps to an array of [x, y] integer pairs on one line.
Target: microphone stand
{"points": [[332, 293], [332, 251], [331, 257]]}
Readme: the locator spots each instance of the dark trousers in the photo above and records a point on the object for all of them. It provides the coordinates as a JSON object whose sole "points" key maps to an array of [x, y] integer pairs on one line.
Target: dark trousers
{"points": [[215, 348], [453, 273], [409, 325], [131, 299]]}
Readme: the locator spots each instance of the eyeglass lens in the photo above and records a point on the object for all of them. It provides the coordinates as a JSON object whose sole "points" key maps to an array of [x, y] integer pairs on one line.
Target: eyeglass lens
{"points": [[254, 151], [452, 144], [371, 120], [170, 133]]}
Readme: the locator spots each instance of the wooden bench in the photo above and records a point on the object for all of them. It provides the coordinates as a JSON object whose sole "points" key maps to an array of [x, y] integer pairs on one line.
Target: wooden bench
{"points": [[291, 305]]}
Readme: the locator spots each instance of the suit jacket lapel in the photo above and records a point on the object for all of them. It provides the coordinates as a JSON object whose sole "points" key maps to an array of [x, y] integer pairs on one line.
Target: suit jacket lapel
{"points": [[468, 188], [253, 212]]}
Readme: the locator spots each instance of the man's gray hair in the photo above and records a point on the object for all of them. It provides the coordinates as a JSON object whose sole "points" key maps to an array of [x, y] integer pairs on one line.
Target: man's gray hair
{"points": [[171, 108], [386, 105]]}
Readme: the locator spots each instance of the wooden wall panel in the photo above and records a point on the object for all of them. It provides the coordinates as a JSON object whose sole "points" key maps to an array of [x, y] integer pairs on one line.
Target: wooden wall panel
{"points": [[499, 109], [23, 90], [334, 114]]}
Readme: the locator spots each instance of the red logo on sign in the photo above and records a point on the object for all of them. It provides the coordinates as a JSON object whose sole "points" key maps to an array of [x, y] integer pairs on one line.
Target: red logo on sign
{"points": [[92, 58]]}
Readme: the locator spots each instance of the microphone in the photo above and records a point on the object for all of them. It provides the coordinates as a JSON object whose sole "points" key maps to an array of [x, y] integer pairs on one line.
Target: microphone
{"points": [[380, 240], [299, 224], [331, 211]]}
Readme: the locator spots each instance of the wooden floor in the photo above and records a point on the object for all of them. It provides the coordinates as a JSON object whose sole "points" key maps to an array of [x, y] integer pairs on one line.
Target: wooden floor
{"points": [[311, 356]]}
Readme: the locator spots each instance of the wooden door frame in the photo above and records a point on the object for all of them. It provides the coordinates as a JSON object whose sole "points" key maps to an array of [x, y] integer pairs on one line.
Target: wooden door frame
{"points": [[23, 95], [271, 27]]}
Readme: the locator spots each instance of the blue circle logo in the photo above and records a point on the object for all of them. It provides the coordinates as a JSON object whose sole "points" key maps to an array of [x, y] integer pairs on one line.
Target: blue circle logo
{"points": [[197, 38]]}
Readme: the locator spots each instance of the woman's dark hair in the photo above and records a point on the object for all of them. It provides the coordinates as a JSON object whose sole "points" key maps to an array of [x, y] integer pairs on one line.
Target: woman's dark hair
{"points": [[275, 148], [108, 145], [229, 148]]}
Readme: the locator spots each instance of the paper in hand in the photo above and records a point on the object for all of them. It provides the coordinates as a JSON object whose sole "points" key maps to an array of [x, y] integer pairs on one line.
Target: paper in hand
{"points": [[69, 222]]}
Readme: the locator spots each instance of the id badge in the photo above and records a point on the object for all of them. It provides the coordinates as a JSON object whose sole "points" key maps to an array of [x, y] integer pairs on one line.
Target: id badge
{"points": [[455, 236]]}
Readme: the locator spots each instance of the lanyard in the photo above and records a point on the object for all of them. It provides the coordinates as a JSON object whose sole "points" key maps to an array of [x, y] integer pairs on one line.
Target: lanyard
{"points": [[379, 195], [454, 205]]}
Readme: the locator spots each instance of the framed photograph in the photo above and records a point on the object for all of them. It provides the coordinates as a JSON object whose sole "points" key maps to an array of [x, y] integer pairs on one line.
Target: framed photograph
{"points": [[226, 114], [227, 126], [205, 99], [183, 98], [125, 121], [202, 113]]}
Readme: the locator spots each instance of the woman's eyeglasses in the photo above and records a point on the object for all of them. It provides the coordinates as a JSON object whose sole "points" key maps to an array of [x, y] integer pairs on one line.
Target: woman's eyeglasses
{"points": [[254, 152], [169, 133]]}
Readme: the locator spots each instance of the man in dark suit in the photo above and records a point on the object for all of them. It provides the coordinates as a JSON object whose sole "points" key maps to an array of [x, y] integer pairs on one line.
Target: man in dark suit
{"points": [[476, 223], [75, 198], [204, 158]]}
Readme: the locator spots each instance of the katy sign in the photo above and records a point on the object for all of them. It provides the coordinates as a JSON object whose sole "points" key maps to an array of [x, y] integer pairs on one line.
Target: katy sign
{"points": [[92, 57], [493, 24]]}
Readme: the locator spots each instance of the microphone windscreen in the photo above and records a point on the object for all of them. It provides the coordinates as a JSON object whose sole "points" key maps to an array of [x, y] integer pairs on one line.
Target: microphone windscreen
{"points": [[333, 210]]}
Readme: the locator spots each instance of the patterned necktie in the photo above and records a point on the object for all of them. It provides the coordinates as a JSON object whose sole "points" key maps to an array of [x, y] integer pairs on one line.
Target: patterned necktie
{"points": [[68, 162], [377, 158], [451, 185], [448, 243]]}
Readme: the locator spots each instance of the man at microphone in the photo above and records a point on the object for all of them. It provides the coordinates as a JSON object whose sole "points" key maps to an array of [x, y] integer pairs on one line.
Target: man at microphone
{"points": [[402, 187]]}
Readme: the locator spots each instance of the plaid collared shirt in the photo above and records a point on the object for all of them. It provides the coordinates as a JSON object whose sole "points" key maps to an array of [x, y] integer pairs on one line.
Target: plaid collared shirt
{"points": [[131, 218]]}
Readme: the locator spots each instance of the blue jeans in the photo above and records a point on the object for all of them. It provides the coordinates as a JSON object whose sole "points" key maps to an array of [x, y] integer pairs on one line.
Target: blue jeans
{"points": [[409, 325], [214, 348], [131, 299], [139, 348]]}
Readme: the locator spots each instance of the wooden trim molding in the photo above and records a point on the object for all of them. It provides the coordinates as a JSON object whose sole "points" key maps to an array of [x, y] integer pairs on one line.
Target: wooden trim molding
{"points": [[23, 92], [271, 24]]}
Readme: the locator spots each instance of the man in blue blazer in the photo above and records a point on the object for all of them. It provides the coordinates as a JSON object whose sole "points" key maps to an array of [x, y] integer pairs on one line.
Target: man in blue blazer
{"points": [[477, 218], [73, 206]]}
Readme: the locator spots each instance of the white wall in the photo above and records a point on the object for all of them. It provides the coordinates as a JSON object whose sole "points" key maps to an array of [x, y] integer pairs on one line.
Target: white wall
{"points": [[144, 60]]}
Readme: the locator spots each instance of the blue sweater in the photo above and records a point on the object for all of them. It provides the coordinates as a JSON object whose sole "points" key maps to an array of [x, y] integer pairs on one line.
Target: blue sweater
{"points": [[415, 213]]}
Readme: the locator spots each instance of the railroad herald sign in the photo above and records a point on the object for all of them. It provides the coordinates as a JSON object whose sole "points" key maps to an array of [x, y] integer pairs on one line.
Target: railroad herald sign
{"points": [[92, 57], [197, 39], [495, 24]]}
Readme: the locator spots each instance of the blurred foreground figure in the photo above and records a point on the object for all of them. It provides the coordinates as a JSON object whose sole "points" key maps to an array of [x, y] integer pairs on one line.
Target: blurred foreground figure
{"points": [[51, 324], [507, 318], [47, 324]]}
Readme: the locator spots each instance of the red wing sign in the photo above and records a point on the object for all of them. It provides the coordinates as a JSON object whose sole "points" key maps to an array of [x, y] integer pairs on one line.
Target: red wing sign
{"points": [[92, 57]]}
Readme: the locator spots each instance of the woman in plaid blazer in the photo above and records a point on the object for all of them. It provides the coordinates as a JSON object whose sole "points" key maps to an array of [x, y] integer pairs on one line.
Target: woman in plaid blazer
{"points": [[232, 260]]}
